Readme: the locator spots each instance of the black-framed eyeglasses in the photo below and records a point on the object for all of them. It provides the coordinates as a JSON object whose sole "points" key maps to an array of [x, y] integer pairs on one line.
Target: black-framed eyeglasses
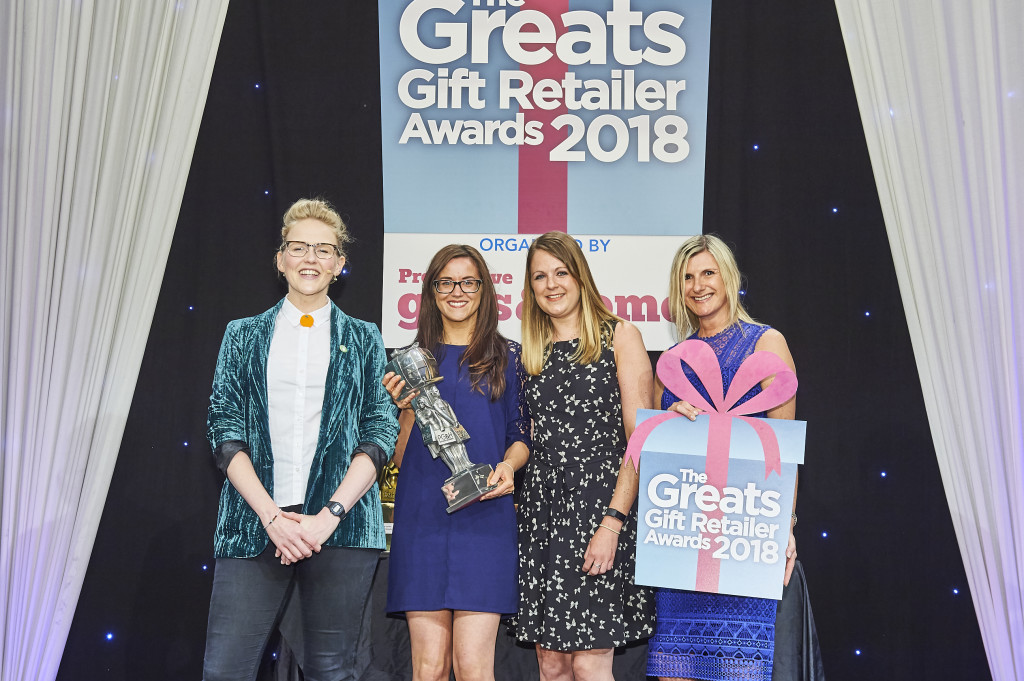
{"points": [[299, 249], [448, 285]]}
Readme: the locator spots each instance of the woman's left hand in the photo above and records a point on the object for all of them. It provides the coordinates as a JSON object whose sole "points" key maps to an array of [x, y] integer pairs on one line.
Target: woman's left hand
{"points": [[599, 557], [686, 409], [790, 558], [504, 477], [317, 528]]}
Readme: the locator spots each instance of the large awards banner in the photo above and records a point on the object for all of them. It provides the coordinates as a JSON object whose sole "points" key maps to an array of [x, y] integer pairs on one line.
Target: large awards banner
{"points": [[505, 119]]}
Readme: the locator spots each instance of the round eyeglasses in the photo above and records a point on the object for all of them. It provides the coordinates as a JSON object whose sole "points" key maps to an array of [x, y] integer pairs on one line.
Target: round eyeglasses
{"points": [[298, 249], [448, 285]]}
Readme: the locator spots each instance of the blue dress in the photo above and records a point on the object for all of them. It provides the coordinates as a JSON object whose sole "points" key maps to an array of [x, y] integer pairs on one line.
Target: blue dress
{"points": [[715, 637], [466, 560]]}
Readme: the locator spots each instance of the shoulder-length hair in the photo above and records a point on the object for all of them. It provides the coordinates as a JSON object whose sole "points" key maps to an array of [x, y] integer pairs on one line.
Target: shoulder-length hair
{"points": [[487, 352], [597, 323], [687, 322]]}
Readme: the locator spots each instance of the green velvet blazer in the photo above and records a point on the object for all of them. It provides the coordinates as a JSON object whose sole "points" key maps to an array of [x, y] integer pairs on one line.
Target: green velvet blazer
{"points": [[358, 415]]}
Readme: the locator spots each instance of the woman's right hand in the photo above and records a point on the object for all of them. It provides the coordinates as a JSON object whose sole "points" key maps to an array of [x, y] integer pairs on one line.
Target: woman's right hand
{"points": [[291, 539], [686, 409], [394, 383], [503, 478]]}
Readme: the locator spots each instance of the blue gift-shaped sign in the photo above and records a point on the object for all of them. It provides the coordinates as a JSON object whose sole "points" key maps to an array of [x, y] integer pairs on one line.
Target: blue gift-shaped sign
{"points": [[716, 494]]}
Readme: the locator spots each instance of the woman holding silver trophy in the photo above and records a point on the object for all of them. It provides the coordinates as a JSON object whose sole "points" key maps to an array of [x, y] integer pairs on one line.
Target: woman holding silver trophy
{"points": [[453, 564]]}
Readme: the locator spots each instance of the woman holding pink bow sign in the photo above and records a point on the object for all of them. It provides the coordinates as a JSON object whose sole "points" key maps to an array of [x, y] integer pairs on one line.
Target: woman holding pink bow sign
{"points": [[704, 295]]}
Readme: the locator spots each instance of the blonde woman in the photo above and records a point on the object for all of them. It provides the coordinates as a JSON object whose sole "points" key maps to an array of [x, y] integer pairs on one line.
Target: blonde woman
{"points": [[588, 374], [713, 637], [300, 425]]}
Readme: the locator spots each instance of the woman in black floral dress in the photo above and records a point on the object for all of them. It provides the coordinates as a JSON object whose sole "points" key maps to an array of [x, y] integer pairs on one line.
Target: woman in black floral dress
{"points": [[589, 373]]}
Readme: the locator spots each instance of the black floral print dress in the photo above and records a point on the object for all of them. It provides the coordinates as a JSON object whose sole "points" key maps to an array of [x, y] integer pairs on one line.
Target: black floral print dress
{"points": [[579, 441]]}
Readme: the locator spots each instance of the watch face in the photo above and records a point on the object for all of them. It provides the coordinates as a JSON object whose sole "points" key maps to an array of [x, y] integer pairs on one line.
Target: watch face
{"points": [[336, 509]]}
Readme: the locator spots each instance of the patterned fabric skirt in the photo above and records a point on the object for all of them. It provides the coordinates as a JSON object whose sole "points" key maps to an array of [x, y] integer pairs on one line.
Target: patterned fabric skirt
{"points": [[560, 607], [712, 637]]}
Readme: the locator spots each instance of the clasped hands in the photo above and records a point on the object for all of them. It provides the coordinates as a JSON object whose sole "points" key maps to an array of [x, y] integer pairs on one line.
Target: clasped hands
{"points": [[297, 536]]}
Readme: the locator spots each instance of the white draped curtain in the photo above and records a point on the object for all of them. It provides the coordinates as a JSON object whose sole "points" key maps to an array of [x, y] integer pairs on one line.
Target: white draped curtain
{"points": [[940, 85], [100, 105]]}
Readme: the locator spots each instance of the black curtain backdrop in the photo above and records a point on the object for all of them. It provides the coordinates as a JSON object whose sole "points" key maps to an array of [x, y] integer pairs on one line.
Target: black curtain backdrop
{"points": [[294, 110]]}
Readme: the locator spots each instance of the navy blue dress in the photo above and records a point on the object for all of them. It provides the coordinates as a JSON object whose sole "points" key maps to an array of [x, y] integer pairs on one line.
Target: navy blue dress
{"points": [[466, 560], [715, 637]]}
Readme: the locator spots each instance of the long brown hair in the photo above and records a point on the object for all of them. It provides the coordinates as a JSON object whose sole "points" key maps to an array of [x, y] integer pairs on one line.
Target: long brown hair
{"points": [[487, 353], [596, 322]]}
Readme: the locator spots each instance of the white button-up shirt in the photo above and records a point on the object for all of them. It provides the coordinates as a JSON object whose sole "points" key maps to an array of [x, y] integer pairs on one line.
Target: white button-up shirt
{"points": [[296, 377]]}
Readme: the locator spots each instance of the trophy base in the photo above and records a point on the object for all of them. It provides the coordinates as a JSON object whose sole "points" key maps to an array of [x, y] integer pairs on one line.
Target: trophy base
{"points": [[462, 489]]}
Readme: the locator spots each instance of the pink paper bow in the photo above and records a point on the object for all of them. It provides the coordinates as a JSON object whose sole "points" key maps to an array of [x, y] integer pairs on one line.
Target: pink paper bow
{"points": [[754, 369]]}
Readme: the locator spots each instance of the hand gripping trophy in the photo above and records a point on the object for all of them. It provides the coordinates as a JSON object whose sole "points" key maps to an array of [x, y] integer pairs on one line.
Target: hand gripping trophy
{"points": [[442, 433]]}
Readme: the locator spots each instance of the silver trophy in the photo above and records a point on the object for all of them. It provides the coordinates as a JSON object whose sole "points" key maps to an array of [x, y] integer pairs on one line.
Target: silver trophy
{"points": [[442, 433]]}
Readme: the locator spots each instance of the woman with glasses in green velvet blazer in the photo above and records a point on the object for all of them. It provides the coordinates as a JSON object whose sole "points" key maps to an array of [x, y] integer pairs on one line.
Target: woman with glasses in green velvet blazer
{"points": [[301, 425]]}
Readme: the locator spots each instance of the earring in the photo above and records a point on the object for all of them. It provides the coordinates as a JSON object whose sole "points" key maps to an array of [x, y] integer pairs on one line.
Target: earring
{"points": [[334, 279]]}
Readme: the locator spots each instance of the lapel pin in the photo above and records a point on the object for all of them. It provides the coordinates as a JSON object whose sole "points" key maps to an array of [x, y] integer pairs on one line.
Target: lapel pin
{"points": [[343, 348]]}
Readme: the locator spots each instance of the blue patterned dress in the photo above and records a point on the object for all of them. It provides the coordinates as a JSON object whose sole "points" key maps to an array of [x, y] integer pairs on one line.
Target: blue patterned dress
{"points": [[715, 637]]}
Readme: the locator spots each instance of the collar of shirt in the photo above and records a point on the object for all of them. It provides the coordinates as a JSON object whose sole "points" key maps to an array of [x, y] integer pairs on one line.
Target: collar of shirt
{"points": [[293, 314]]}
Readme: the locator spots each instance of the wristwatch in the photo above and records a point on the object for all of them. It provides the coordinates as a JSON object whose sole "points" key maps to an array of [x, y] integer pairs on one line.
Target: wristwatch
{"points": [[615, 513], [337, 509]]}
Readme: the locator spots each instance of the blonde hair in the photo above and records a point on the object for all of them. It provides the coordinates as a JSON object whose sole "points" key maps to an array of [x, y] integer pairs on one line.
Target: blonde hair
{"points": [[596, 322], [316, 209], [687, 322]]}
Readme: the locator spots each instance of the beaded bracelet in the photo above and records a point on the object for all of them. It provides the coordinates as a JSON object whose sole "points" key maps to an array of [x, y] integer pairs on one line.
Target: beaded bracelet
{"points": [[610, 529], [272, 520]]}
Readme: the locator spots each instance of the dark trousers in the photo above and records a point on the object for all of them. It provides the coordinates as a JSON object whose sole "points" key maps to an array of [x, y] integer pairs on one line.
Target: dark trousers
{"points": [[250, 596]]}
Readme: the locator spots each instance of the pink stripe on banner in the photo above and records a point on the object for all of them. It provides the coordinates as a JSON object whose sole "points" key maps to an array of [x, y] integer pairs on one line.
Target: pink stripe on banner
{"points": [[543, 185]]}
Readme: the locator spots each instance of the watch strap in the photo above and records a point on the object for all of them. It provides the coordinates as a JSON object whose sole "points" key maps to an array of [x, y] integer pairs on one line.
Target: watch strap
{"points": [[615, 513], [337, 509]]}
